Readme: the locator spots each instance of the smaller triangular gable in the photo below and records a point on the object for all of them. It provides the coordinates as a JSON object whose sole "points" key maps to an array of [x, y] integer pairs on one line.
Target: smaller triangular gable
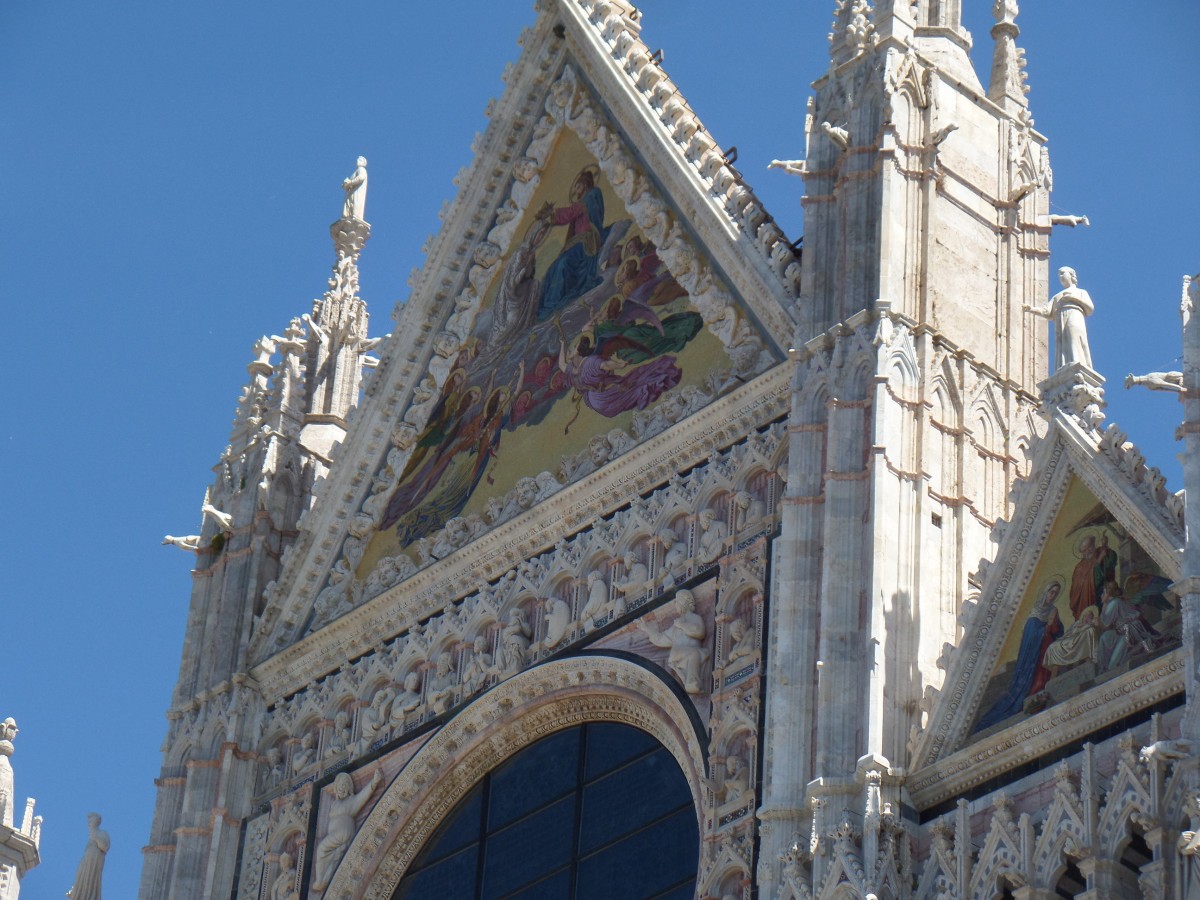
{"points": [[1074, 607]]}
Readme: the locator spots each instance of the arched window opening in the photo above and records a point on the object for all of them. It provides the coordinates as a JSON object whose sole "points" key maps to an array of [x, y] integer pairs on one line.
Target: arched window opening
{"points": [[600, 810], [1137, 853], [1071, 883]]}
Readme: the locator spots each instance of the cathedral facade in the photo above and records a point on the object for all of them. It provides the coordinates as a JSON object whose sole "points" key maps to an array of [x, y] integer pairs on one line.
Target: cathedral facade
{"points": [[657, 554]]}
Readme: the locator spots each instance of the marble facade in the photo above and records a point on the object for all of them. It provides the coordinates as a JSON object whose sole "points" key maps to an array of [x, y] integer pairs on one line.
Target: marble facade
{"points": [[799, 567]]}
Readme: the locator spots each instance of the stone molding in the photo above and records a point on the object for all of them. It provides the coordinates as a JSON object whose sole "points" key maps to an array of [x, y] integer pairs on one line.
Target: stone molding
{"points": [[569, 511], [1061, 724], [532, 705]]}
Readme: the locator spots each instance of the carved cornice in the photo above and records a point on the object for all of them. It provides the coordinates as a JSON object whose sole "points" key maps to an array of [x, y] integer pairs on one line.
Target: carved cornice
{"points": [[1069, 721], [689, 443], [624, 66]]}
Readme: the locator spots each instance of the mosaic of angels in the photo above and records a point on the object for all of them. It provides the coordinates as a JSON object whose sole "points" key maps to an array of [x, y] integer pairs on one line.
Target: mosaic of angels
{"points": [[1097, 606], [581, 328]]}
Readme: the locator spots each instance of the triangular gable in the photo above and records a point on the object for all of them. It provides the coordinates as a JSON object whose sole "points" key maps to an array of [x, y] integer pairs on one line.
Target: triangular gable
{"points": [[608, 225], [1051, 652]]}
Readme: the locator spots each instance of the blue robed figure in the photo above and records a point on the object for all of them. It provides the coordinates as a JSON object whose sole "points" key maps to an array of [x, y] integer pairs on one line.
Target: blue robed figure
{"points": [[1029, 676], [575, 271]]}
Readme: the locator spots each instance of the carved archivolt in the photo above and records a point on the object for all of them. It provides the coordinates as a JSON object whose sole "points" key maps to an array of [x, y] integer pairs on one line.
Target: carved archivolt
{"points": [[519, 712]]}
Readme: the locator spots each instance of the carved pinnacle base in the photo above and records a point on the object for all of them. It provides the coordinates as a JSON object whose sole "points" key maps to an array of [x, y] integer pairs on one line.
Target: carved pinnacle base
{"points": [[1077, 390], [349, 235]]}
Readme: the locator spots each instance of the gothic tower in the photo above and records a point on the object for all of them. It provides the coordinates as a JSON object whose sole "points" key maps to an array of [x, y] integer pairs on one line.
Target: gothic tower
{"points": [[926, 232]]}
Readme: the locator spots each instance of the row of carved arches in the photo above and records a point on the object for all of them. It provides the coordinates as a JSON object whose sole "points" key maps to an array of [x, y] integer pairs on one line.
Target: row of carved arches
{"points": [[1116, 834], [535, 610]]}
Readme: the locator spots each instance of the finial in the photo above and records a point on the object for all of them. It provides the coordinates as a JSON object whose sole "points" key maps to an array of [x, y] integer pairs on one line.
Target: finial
{"points": [[1008, 60], [8, 731], [1005, 12], [355, 186]]}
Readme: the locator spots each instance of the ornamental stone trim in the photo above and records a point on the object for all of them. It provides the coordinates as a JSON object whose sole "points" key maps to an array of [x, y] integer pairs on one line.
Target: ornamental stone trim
{"points": [[527, 707], [1050, 729]]}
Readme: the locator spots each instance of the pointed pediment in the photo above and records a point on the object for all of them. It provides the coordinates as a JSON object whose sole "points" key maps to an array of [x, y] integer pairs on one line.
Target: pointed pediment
{"points": [[1075, 611], [602, 277]]}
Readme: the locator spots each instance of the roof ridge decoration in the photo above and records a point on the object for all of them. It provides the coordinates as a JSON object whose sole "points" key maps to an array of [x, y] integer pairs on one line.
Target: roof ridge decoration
{"points": [[347, 522], [618, 26], [946, 759]]}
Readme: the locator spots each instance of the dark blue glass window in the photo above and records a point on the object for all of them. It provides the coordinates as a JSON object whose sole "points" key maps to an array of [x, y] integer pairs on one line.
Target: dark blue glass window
{"points": [[596, 811]]}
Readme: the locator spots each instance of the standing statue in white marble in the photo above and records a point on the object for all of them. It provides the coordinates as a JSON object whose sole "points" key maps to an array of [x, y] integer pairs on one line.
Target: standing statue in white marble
{"points": [[685, 639], [1068, 308], [558, 620], [675, 554], [737, 780], [356, 192], [306, 754], [339, 735], [274, 765], [91, 867], [340, 831], [636, 578], [748, 509]]}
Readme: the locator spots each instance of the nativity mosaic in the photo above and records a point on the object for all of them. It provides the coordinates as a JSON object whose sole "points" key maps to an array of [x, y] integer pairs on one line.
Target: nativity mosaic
{"points": [[1097, 606], [581, 329]]}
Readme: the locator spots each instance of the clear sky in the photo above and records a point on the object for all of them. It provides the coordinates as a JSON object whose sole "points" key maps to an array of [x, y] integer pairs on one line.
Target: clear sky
{"points": [[168, 175]]}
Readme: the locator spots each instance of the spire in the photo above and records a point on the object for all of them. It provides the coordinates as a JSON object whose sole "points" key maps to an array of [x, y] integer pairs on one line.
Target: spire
{"points": [[1007, 87], [337, 340], [18, 846]]}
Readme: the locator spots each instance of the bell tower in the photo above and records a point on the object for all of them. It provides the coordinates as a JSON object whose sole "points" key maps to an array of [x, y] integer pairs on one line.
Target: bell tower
{"points": [[926, 199]]}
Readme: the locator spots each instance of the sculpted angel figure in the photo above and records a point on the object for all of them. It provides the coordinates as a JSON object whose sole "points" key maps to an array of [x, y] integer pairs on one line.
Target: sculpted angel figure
{"points": [[685, 639]]}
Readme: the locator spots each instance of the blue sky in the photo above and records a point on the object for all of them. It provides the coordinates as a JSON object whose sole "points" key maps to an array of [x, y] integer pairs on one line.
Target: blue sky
{"points": [[169, 173]]}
